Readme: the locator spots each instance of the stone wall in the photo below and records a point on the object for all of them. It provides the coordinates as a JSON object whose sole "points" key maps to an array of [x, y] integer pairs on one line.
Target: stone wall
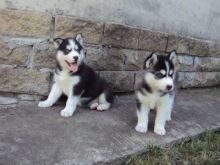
{"points": [[116, 51]]}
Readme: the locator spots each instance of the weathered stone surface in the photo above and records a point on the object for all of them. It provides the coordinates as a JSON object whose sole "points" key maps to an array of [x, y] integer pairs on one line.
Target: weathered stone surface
{"points": [[7, 100], [193, 46], [120, 36], [180, 44], [198, 79], [205, 48], [153, 41], [105, 59], [44, 55], [134, 60], [16, 55], [19, 23], [70, 26], [207, 64], [185, 63], [19, 80], [120, 81], [35, 136]]}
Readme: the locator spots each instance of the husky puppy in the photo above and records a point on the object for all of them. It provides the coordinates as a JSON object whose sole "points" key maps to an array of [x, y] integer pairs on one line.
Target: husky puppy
{"points": [[76, 80], [156, 92]]}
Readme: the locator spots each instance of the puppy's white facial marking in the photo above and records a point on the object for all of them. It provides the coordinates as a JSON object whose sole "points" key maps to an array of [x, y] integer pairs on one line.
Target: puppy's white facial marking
{"points": [[171, 71], [163, 72]]}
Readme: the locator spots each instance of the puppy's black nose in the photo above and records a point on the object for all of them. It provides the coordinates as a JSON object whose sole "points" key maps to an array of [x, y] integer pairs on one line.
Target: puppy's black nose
{"points": [[169, 87], [75, 58]]}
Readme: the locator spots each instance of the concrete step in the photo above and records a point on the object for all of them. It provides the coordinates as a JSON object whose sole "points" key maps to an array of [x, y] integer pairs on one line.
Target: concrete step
{"points": [[31, 135]]}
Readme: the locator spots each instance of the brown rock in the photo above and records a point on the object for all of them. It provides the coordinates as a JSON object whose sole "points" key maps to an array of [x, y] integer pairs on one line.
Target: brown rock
{"points": [[180, 44], [16, 55], [120, 36], [205, 48], [207, 64], [198, 79], [44, 55], [105, 59], [20, 80], [70, 26], [19, 23], [193, 46], [120, 81], [135, 59], [153, 41]]}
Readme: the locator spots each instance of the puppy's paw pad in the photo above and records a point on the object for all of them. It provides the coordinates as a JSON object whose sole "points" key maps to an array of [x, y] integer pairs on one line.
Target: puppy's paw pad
{"points": [[66, 113], [160, 131], [103, 107], [93, 106], [141, 129], [44, 104]]}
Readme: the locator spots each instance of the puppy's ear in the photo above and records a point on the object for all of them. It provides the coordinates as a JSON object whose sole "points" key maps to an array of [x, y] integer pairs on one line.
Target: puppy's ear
{"points": [[57, 42], [79, 38], [172, 56], [150, 61]]}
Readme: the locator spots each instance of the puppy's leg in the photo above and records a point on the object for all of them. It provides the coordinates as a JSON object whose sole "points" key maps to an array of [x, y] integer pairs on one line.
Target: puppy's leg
{"points": [[94, 104], [105, 100], [170, 107], [163, 112], [71, 105], [54, 95], [142, 116]]}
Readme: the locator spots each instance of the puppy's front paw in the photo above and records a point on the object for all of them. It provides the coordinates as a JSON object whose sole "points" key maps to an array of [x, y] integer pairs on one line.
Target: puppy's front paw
{"points": [[44, 104], [66, 113], [159, 130], [141, 128]]}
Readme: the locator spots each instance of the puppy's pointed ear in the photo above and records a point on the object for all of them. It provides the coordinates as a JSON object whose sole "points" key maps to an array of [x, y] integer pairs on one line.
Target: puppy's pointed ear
{"points": [[79, 38], [172, 56], [150, 61], [57, 42]]}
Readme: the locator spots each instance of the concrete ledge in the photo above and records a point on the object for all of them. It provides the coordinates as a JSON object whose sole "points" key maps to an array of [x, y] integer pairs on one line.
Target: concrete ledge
{"points": [[42, 136]]}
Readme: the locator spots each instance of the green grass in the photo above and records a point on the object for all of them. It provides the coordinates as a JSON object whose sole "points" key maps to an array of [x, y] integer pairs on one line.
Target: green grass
{"points": [[204, 150]]}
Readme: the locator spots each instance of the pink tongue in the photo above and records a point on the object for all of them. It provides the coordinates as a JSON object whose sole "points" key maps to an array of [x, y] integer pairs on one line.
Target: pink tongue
{"points": [[73, 67]]}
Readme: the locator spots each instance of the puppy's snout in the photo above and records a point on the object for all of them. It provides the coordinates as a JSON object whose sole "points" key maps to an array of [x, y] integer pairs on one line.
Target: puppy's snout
{"points": [[169, 87], [75, 58]]}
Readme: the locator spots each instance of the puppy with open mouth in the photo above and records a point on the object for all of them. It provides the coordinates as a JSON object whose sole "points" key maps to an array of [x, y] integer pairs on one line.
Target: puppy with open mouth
{"points": [[76, 80]]}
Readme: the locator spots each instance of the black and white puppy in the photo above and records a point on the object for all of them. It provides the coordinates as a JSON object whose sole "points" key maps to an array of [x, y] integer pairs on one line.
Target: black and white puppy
{"points": [[156, 92], [76, 80]]}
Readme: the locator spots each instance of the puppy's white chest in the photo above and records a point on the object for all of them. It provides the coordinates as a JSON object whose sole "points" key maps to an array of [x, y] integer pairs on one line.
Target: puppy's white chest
{"points": [[67, 82]]}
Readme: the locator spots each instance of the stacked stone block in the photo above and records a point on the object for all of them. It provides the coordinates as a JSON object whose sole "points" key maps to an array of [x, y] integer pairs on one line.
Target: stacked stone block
{"points": [[116, 52]]}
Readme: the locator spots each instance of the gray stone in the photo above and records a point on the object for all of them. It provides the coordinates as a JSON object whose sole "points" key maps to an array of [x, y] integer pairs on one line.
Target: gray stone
{"points": [[33, 135], [105, 58], [120, 36], [14, 55], [20, 80], [152, 41], [120, 81], [70, 26], [7, 100], [44, 55], [198, 79], [207, 64], [26, 24], [185, 63]]}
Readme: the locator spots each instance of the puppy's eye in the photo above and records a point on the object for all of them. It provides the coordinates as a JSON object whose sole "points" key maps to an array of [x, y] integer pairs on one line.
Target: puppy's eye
{"points": [[158, 75], [67, 51]]}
